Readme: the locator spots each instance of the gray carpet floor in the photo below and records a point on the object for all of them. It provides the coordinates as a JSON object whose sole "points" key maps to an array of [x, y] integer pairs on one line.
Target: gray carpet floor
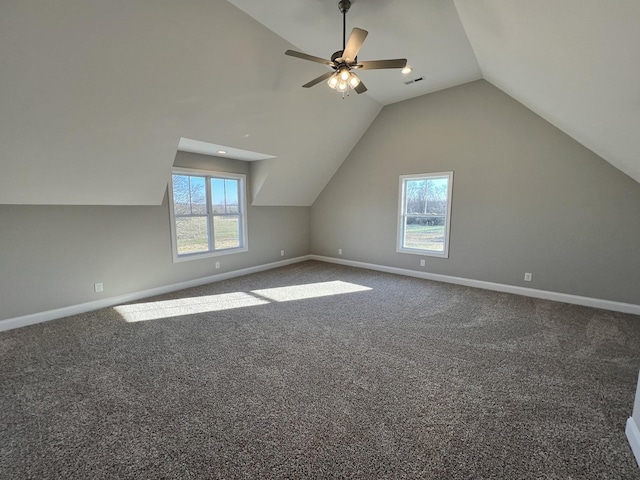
{"points": [[389, 377]]}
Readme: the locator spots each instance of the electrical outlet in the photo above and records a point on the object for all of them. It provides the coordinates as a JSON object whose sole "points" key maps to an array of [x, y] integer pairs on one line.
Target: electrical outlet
{"points": [[98, 287], [527, 277], [282, 253], [217, 264], [422, 262], [339, 251]]}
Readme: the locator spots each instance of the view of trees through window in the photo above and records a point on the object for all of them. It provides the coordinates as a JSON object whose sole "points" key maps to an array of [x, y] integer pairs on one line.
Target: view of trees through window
{"points": [[427, 201], [424, 213], [208, 213]]}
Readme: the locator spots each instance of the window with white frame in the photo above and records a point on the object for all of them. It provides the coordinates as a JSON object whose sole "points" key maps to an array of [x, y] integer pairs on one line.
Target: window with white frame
{"points": [[425, 214], [208, 213]]}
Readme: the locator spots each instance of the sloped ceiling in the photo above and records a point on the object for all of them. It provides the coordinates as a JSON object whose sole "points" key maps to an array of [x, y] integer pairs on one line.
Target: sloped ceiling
{"points": [[428, 34], [95, 95], [576, 63]]}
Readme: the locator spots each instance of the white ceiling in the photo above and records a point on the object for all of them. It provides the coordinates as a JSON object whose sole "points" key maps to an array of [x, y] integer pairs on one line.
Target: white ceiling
{"points": [[95, 95], [428, 34], [212, 149], [574, 62]]}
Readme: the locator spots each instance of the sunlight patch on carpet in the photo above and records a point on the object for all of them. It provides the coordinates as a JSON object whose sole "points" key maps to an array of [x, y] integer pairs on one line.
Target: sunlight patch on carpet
{"points": [[309, 290], [141, 312]]}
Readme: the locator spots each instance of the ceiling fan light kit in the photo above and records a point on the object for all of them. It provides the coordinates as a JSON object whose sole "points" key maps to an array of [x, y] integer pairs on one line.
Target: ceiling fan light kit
{"points": [[344, 61], [342, 80]]}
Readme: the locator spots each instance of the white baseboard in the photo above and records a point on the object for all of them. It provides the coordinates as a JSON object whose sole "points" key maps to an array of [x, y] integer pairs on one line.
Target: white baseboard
{"points": [[45, 316], [498, 287], [633, 435]]}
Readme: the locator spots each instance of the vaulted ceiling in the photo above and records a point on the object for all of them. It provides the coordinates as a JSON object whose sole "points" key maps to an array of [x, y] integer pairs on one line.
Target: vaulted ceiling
{"points": [[95, 95]]}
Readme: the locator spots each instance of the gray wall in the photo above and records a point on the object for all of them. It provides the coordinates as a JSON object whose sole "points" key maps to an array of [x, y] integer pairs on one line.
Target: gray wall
{"points": [[526, 197], [50, 256]]}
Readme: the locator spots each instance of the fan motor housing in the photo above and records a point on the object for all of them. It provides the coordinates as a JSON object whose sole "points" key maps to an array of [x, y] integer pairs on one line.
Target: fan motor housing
{"points": [[344, 6], [340, 62]]}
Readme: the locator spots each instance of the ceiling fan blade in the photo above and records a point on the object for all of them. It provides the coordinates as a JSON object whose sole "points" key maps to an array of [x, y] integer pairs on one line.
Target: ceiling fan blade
{"points": [[356, 39], [311, 58], [378, 64], [360, 88], [317, 80]]}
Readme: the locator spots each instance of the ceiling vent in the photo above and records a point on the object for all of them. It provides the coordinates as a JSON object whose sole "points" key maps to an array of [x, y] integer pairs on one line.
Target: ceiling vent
{"points": [[415, 80]]}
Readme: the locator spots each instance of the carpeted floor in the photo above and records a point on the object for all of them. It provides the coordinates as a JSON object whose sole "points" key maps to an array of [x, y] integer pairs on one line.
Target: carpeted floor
{"points": [[374, 376]]}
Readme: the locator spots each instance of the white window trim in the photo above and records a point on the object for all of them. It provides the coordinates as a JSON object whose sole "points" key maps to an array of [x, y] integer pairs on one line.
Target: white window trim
{"points": [[401, 206], [243, 208]]}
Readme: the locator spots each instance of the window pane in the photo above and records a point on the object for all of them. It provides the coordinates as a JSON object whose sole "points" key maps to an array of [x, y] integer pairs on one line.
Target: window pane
{"points": [[426, 196], [226, 231], [198, 196], [424, 233], [437, 196], [189, 196], [192, 234], [416, 196], [217, 195], [181, 198], [224, 195], [231, 189]]}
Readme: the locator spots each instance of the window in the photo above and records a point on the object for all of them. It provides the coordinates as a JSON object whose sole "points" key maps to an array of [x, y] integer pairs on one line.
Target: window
{"points": [[425, 214], [208, 213]]}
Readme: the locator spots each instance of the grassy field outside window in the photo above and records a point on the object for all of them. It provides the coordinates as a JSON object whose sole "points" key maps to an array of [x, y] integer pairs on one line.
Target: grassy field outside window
{"points": [[208, 212], [425, 213]]}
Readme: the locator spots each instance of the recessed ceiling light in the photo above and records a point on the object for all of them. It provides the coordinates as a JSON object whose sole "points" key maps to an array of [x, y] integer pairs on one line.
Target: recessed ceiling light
{"points": [[222, 152], [406, 70]]}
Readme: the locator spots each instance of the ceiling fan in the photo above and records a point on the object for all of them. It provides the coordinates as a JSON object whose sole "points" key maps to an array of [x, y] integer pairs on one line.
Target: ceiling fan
{"points": [[345, 61]]}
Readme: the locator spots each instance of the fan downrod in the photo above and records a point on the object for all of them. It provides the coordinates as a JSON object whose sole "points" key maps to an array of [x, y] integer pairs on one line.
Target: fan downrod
{"points": [[344, 6]]}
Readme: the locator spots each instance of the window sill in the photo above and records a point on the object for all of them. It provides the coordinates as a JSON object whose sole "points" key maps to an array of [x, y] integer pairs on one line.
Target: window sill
{"points": [[202, 255], [423, 253]]}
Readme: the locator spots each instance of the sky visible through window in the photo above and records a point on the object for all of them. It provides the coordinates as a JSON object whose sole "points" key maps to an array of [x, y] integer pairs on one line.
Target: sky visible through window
{"points": [[224, 193], [189, 195], [208, 213]]}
